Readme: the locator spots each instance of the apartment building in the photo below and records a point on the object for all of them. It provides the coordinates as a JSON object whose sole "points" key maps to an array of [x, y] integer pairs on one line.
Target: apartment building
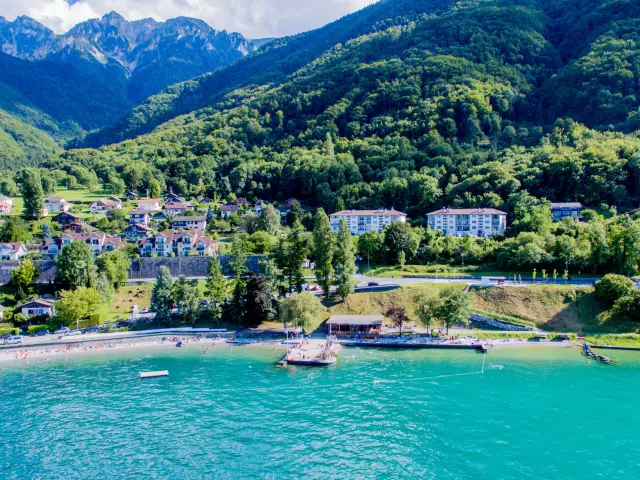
{"points": [[361, 221], [460, 222]]}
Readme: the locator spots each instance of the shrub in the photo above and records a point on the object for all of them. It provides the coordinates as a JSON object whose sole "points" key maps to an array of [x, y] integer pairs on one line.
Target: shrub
{"points": [[629, 306], [9, 331], [33, 329], [612, 287], [6, 325]]}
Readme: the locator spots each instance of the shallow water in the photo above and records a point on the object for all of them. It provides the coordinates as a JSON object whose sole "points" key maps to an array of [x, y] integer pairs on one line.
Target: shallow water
{"points": [[376, 414]]}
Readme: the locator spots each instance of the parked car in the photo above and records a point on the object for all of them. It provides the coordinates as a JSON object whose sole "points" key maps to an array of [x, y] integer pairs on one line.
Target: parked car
{"points": [[144, 310], [373, 284], [92, 329], [73, 333], [123, 324], [42, 333], [13, 340], [62, 331]]}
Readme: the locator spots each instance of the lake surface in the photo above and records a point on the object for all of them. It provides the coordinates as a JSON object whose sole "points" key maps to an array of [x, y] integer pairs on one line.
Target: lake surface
{"points": [[546, 414]]}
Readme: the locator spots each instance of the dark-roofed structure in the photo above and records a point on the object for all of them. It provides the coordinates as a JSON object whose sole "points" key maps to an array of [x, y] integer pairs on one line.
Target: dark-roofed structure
{"points": [[363, 326]]}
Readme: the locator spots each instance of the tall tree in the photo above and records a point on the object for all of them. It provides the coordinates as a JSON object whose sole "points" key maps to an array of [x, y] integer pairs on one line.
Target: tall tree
{"points": [[345, 262], [301, 310], [454, 309], [269, 220], [23, 278], [260, 304], [116, 266], [32, 193], [289, 256], [216, 288], [75, 265], [398, 316], [187, 298], [161, 295], [370, 244], [76, 305], [323, 247], [239, 270]]}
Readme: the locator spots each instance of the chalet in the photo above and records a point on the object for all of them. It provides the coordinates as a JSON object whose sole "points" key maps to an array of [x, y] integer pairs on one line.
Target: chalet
{"points": [[104, 206], [98, 241], [79, 227], [140, 217], [131, 196], [179, 244], [57, 205], [188, 223], [6, 204], [241, 202], [41, 306], [259, 207], [177, 208], [50, 249], [12, 251], [562, 210], [204, 200], [461, 222], [65, 219], [158, 217], [137, 231], [229, 209], [150, 205], [173, 198]]}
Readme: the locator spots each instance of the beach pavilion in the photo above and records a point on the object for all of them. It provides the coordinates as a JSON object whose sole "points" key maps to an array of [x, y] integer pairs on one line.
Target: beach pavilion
{"points": [[366, 326]]}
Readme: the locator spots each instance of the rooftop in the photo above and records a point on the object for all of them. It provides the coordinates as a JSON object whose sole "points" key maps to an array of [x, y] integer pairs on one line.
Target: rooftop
{"points": [[468, 211], [368, 212], [190, 219], [566, 205], [355, 320]]}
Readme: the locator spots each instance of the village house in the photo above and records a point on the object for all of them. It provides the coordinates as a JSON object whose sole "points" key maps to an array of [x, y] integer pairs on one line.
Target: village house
{"points": [[40, 306], [98, 241], [361, 221], [6, 204], [177, 208], [50, 248], [66, 218], [173, 198], [180, 244], [131, 196], [462, 222], [561, 210], [104, 206], [188, 223], [259, 207], [140, 217], [137, 231], [151, 205], [12, 251], [229, 209], [57, 205]]}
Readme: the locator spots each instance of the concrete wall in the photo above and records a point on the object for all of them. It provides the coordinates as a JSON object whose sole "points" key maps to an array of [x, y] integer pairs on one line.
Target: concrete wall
{"points": [[142, 268]]}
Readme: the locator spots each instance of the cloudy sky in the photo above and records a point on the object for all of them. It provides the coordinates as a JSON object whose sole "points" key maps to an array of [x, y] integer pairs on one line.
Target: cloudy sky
{"points": [[253, 18]]}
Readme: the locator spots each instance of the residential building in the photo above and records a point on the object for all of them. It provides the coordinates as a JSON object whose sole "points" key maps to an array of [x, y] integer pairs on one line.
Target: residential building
{"points": [[361, 221], [177, 208], [131, 196], [173, 198], [151, 205], [460, 222], [241, 202], [12, 251], [41, 306], [229, 209], [188, 223], [259, 207], [98, 241], [6, 204], [104, 206], [57, 205], [2, 309], [140, 217], [562, 210], [65, 219], [180, 244], [50, 248], [289, 202], [137, 231]]}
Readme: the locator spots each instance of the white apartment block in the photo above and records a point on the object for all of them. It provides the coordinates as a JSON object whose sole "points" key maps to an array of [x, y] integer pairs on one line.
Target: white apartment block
{"points": [[461, 222], [361, 221]]}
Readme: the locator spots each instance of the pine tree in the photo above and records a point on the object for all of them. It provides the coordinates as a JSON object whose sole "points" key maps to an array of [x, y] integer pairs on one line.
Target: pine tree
{"points": [[323, 247], [345, 262], [161, 295]]}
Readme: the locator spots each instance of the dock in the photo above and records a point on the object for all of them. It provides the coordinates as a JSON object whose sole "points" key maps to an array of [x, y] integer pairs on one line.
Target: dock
{"points": [[312, 354], [162, 373]]}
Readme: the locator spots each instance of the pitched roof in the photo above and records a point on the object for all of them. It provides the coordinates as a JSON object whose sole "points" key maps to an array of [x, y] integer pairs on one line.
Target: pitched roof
{"points": [[43, 302], [355, 320], [190, 219], [139, 211], [468, 211], [368, 212], [566, 205], [13, 246]]}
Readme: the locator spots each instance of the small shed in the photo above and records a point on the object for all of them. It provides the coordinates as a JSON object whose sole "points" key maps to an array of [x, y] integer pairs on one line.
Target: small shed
{"points": [[365, 326]]}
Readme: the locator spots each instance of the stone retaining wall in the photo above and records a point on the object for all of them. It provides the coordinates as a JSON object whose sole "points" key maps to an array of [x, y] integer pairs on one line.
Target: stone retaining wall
{"points": [[483, 321]]}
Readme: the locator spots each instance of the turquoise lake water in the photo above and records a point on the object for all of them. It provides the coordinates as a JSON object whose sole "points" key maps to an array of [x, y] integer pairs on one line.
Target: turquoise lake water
{"points": [[546, 414]]}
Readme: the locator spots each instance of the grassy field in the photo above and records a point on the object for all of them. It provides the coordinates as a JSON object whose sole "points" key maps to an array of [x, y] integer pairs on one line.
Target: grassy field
{"points": [[549, 307], [614, 340], [76, 195], [453, 271], [127, 297]]}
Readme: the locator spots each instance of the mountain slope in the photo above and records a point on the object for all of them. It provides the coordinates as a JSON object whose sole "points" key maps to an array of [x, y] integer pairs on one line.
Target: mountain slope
{"points": [[95, 73]]}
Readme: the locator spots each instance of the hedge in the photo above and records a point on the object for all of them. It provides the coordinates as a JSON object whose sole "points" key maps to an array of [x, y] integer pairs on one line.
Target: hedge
{"points": [[9, 331], [33, 329]]}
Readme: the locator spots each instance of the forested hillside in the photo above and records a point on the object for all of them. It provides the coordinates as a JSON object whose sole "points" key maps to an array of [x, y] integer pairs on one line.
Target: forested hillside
{"points": [[460, 106]]}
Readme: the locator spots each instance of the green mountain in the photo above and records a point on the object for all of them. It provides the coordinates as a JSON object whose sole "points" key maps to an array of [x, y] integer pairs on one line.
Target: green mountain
{"points": [[22, 145], [408, 104]]}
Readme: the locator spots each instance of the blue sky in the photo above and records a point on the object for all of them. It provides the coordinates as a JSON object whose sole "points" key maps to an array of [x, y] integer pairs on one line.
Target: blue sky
{"points": [[252, 18]]}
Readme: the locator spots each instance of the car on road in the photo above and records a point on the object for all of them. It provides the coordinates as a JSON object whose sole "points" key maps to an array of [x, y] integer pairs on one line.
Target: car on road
{"points": [[373, 284], [13, 340], [73, 333], [123, 324], [62, 331], [42, 333]]}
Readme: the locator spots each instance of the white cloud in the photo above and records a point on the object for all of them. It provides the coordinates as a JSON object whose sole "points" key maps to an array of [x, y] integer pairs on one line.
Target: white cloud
{"points": [[253, 18]]}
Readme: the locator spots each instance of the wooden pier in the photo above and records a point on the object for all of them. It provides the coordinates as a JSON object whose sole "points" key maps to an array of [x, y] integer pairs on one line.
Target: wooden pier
{"points": [[416, 346]]}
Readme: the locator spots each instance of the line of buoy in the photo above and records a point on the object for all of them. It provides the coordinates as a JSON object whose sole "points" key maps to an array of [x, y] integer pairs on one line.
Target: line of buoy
{"points": [[586, 348]]}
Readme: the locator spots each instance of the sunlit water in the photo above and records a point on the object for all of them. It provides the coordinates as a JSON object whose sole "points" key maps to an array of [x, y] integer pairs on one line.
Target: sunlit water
{"points": [[546, 415]]}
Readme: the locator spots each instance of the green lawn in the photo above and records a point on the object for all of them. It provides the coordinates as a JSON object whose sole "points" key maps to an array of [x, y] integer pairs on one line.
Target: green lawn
{"points": [[76, 195]]}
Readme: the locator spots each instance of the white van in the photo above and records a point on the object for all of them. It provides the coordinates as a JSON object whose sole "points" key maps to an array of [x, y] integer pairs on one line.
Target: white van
{"points": [[13, 340]]}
